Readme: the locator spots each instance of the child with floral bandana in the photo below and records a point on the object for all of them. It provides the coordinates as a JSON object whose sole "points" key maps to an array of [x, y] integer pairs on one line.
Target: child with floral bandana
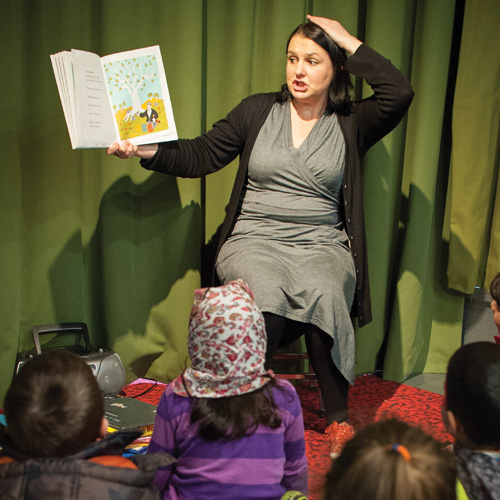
{"points": [[236, 431]]}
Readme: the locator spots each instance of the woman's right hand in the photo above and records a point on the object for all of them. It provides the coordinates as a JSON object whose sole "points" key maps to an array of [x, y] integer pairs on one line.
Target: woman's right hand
{"points": [[127, 150]]}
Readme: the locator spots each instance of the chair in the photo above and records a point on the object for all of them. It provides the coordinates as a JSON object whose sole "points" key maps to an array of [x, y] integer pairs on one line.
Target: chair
{"points": [[308, 375]]}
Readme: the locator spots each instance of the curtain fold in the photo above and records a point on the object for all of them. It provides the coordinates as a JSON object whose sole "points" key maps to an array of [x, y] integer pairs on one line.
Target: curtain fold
{"points": [[473, 225], [425, 323], [86, 237]]}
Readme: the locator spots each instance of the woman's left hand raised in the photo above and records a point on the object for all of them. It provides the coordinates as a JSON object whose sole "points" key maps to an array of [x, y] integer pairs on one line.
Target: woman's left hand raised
{"points": [[337, 33]]}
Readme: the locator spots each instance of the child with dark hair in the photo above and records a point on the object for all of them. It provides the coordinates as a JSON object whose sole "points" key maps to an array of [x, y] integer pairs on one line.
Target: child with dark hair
{"points": [[472, 416], [235, 430], [391, 460], [54, 444]]}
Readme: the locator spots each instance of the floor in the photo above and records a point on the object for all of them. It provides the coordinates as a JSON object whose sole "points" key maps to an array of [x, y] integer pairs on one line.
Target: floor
{"points": [[433, 382]]}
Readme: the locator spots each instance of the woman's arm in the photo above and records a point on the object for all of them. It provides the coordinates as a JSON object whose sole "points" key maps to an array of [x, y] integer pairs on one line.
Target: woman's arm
{"points": [[378, 114], [203, 155], [393, 94]]}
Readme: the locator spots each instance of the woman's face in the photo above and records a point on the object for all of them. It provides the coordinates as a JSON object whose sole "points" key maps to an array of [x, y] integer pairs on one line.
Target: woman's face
{"points": [[309, 71]]}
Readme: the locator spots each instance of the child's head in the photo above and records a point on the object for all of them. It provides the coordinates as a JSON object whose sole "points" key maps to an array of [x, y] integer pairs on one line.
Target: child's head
{"points": [[227, 344], [495, 303], [473, 395], [391, 459], [54, 406]]}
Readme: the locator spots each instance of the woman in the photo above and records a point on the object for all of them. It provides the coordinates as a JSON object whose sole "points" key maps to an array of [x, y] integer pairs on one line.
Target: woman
{"points": [[294, 226]]}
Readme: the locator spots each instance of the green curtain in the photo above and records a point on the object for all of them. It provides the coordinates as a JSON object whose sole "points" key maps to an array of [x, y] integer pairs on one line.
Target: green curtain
{"points": [[473, 212], [425, 322], [87, 237]]}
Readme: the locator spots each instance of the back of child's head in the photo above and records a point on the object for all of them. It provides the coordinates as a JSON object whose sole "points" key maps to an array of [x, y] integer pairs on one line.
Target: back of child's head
{"points": [[391, 459], [227, 343], [54, 406], [473, 392]]}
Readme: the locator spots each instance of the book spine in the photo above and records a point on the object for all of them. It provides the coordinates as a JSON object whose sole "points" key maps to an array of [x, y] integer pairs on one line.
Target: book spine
{"points": [[143, 428]]}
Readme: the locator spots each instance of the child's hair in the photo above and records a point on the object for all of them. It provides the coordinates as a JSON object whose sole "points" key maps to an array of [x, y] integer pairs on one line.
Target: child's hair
{"points": [[54, 406], [235, 416], [391, 459], [495, 288], [473, 391]]}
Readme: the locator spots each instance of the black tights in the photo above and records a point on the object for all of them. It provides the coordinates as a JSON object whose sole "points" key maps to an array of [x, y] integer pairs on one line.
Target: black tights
{"points": [[333, 385]]}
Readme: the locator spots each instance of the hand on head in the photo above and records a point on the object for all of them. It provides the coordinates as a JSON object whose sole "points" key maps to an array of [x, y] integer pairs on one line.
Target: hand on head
{"points": [[337, 33]]}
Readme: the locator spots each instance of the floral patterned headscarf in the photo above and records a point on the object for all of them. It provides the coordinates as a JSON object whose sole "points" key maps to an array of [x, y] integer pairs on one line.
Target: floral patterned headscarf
{"points": [[227, 344]]}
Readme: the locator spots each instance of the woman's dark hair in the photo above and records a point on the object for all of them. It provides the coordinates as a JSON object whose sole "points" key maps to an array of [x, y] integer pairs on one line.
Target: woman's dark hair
{"points": [[54, 406], [473, 391], [235, 416], [339, 100], [495, 288], [371, 467]]}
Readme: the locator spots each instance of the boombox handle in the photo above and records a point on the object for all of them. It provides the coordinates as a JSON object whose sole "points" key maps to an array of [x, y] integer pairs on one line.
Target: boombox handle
{"points": [[77, 328]]}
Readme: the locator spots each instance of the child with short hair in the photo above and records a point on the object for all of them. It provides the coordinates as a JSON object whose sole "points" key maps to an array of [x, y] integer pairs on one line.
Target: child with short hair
{"points": [[235, 431], [54, 444], [390, 459], [472, 415]]}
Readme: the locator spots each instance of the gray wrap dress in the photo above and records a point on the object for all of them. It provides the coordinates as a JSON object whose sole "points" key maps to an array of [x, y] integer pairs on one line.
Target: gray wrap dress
{"points": [[288, 242]]}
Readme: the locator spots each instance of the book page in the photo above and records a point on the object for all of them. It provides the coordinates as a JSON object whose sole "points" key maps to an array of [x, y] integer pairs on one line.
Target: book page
{"points": [[139, 96], [67, 68], [95, 126], [64, 81]]}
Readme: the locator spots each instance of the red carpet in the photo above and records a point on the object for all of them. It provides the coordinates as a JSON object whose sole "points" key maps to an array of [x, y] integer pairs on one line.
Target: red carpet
{"points": [[370, 399]]}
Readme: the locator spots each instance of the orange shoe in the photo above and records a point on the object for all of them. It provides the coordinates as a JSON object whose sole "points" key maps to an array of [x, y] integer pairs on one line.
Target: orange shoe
{"points": [[331, 430], [344, 432]]}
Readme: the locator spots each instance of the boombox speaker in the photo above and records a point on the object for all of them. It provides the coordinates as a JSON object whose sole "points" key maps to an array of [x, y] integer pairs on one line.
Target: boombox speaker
{"points": [[105, 364]]}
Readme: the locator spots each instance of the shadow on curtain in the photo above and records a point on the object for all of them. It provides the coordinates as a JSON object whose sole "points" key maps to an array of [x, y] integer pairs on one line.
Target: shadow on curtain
{"points": [[129, 257]]}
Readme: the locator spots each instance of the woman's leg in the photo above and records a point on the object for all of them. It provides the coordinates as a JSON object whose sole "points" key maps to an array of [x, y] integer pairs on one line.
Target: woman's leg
{"points": [[333, 385], [280, 332], [275, 326]]}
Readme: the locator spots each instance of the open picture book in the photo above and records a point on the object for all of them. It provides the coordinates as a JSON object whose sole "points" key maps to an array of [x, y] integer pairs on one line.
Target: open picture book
{"points": [[125, 413], [113, 98]]}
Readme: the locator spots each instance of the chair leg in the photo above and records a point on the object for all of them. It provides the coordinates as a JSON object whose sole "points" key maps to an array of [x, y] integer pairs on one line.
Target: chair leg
{"points": [[310, 376]]}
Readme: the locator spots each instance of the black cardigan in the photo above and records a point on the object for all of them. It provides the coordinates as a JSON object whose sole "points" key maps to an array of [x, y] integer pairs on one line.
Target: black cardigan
{"points": [[367, 122]]}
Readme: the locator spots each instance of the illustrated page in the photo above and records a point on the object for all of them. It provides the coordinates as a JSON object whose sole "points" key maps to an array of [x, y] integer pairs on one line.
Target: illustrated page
{"points": [[138, 92]]}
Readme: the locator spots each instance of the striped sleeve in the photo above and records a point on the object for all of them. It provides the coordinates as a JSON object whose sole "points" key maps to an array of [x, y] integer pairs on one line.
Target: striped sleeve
{"points": [[295, 468], [163, 437]]}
